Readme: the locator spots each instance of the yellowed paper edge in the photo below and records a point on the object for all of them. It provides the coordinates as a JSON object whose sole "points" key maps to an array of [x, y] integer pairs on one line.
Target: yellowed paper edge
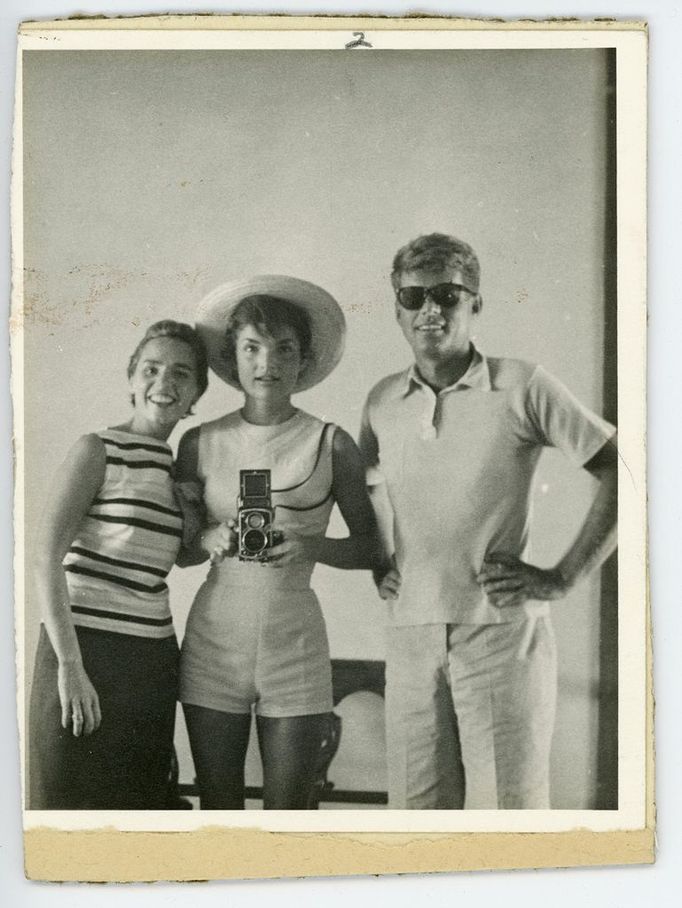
{"points": [[221, 853], [264, 22]]}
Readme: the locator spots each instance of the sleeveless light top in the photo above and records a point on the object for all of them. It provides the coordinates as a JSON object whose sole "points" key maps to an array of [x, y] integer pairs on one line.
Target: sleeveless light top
{"points": [[117, 564], [298, 453]]}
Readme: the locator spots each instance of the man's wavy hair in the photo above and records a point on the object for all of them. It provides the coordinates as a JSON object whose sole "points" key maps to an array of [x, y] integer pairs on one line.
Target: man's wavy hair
{"points": [[434, 252]]}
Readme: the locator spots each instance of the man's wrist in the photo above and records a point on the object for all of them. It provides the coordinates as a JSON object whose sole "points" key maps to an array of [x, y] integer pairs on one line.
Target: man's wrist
{"points": [[386, 565], [564, 578]]}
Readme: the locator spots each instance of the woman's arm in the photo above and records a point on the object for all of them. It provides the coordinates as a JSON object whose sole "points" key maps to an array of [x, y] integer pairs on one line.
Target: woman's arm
{"points": [[362, 549], [186, 474], [73, 490], [199, 540]]}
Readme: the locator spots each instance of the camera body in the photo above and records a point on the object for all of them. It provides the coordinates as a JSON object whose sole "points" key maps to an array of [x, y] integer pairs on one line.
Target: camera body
{"points": [[255, 515]]}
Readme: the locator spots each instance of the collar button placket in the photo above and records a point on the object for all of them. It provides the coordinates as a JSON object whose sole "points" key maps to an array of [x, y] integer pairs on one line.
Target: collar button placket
{"points": [[428, 427]]}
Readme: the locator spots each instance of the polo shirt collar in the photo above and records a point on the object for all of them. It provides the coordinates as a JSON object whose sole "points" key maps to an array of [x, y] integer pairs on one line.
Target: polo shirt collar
{"points": [[477, 376]]}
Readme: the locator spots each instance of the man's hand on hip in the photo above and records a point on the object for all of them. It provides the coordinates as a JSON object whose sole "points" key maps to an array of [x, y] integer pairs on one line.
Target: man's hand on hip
{"points": [[388, 581], [508, 581]]}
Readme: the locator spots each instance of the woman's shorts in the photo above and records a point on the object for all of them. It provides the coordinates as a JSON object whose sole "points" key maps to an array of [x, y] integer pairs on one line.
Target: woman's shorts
{"points": [[262, 649]]}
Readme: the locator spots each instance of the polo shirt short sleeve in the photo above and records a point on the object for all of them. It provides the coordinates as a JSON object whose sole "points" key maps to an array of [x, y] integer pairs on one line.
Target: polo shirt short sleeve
{"points": [[561, 421], [458, 468]]}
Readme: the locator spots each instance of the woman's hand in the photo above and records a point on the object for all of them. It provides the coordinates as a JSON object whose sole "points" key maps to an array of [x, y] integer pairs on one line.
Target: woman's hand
{"points": [[220, 541], [189, 496], [190, 492], [79, 700]]}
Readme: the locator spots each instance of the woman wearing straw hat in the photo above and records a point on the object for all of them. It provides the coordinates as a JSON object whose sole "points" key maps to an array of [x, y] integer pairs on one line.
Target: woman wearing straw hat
{"points": [[255, 635]]}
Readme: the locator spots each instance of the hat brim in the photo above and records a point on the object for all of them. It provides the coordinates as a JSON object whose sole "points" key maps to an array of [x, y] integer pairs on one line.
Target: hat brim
{"points": [[327, 323]]}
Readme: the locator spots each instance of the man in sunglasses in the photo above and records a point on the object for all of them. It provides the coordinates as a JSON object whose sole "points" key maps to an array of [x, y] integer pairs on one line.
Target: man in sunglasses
{"points": [[451, 446]]}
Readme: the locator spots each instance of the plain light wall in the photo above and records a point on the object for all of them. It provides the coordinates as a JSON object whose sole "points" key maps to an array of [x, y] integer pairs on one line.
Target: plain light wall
{"points": [[152, 176]]}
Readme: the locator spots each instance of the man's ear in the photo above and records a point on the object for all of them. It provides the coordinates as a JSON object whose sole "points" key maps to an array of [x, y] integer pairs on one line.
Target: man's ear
{"points": [[478, 304]]}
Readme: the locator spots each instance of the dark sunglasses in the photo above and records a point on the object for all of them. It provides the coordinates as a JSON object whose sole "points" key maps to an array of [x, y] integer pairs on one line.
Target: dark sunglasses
{"points": [[445, 295]]}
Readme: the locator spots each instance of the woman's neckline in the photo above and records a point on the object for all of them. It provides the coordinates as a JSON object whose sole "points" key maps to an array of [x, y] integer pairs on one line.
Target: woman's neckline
{"points": [[127, 433], [269, 425]]}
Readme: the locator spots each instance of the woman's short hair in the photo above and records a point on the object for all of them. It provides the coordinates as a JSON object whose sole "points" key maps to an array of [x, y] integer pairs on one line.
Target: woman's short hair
{"points": [[178, 331], [435, 252], [268, 315]]}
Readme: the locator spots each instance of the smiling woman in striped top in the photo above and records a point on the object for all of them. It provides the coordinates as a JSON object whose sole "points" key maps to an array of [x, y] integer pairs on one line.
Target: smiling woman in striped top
{"points": [[105, 683]]}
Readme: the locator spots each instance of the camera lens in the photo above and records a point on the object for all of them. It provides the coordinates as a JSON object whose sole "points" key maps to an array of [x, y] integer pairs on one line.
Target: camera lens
{"points": [[254, 541], [255, 521]]}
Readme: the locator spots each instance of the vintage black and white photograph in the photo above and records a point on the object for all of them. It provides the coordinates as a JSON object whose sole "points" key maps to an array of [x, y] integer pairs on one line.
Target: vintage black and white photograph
{"points": [[331, 486]]}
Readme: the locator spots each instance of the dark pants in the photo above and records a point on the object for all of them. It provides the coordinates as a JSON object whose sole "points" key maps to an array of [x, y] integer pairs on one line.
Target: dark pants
{"points": [[125, 764]]}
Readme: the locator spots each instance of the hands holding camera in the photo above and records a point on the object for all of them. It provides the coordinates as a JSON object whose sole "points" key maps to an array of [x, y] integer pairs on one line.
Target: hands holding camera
{"points": [[220, 541]]}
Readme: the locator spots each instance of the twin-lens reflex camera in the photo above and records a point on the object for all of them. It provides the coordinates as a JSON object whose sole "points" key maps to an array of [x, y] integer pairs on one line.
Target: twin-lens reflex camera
{"points": [[255, 515]]}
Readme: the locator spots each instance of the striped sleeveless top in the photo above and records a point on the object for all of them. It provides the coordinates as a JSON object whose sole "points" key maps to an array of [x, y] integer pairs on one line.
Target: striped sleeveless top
{"points": [[117, 565]]}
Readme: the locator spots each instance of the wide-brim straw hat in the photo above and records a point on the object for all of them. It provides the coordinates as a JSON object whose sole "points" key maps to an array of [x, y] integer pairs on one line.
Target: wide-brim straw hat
{"points": [[327, 322]]}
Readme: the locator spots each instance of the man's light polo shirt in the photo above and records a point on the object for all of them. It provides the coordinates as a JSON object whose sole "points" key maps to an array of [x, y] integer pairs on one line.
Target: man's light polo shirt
{"points": [[458, 467]]}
